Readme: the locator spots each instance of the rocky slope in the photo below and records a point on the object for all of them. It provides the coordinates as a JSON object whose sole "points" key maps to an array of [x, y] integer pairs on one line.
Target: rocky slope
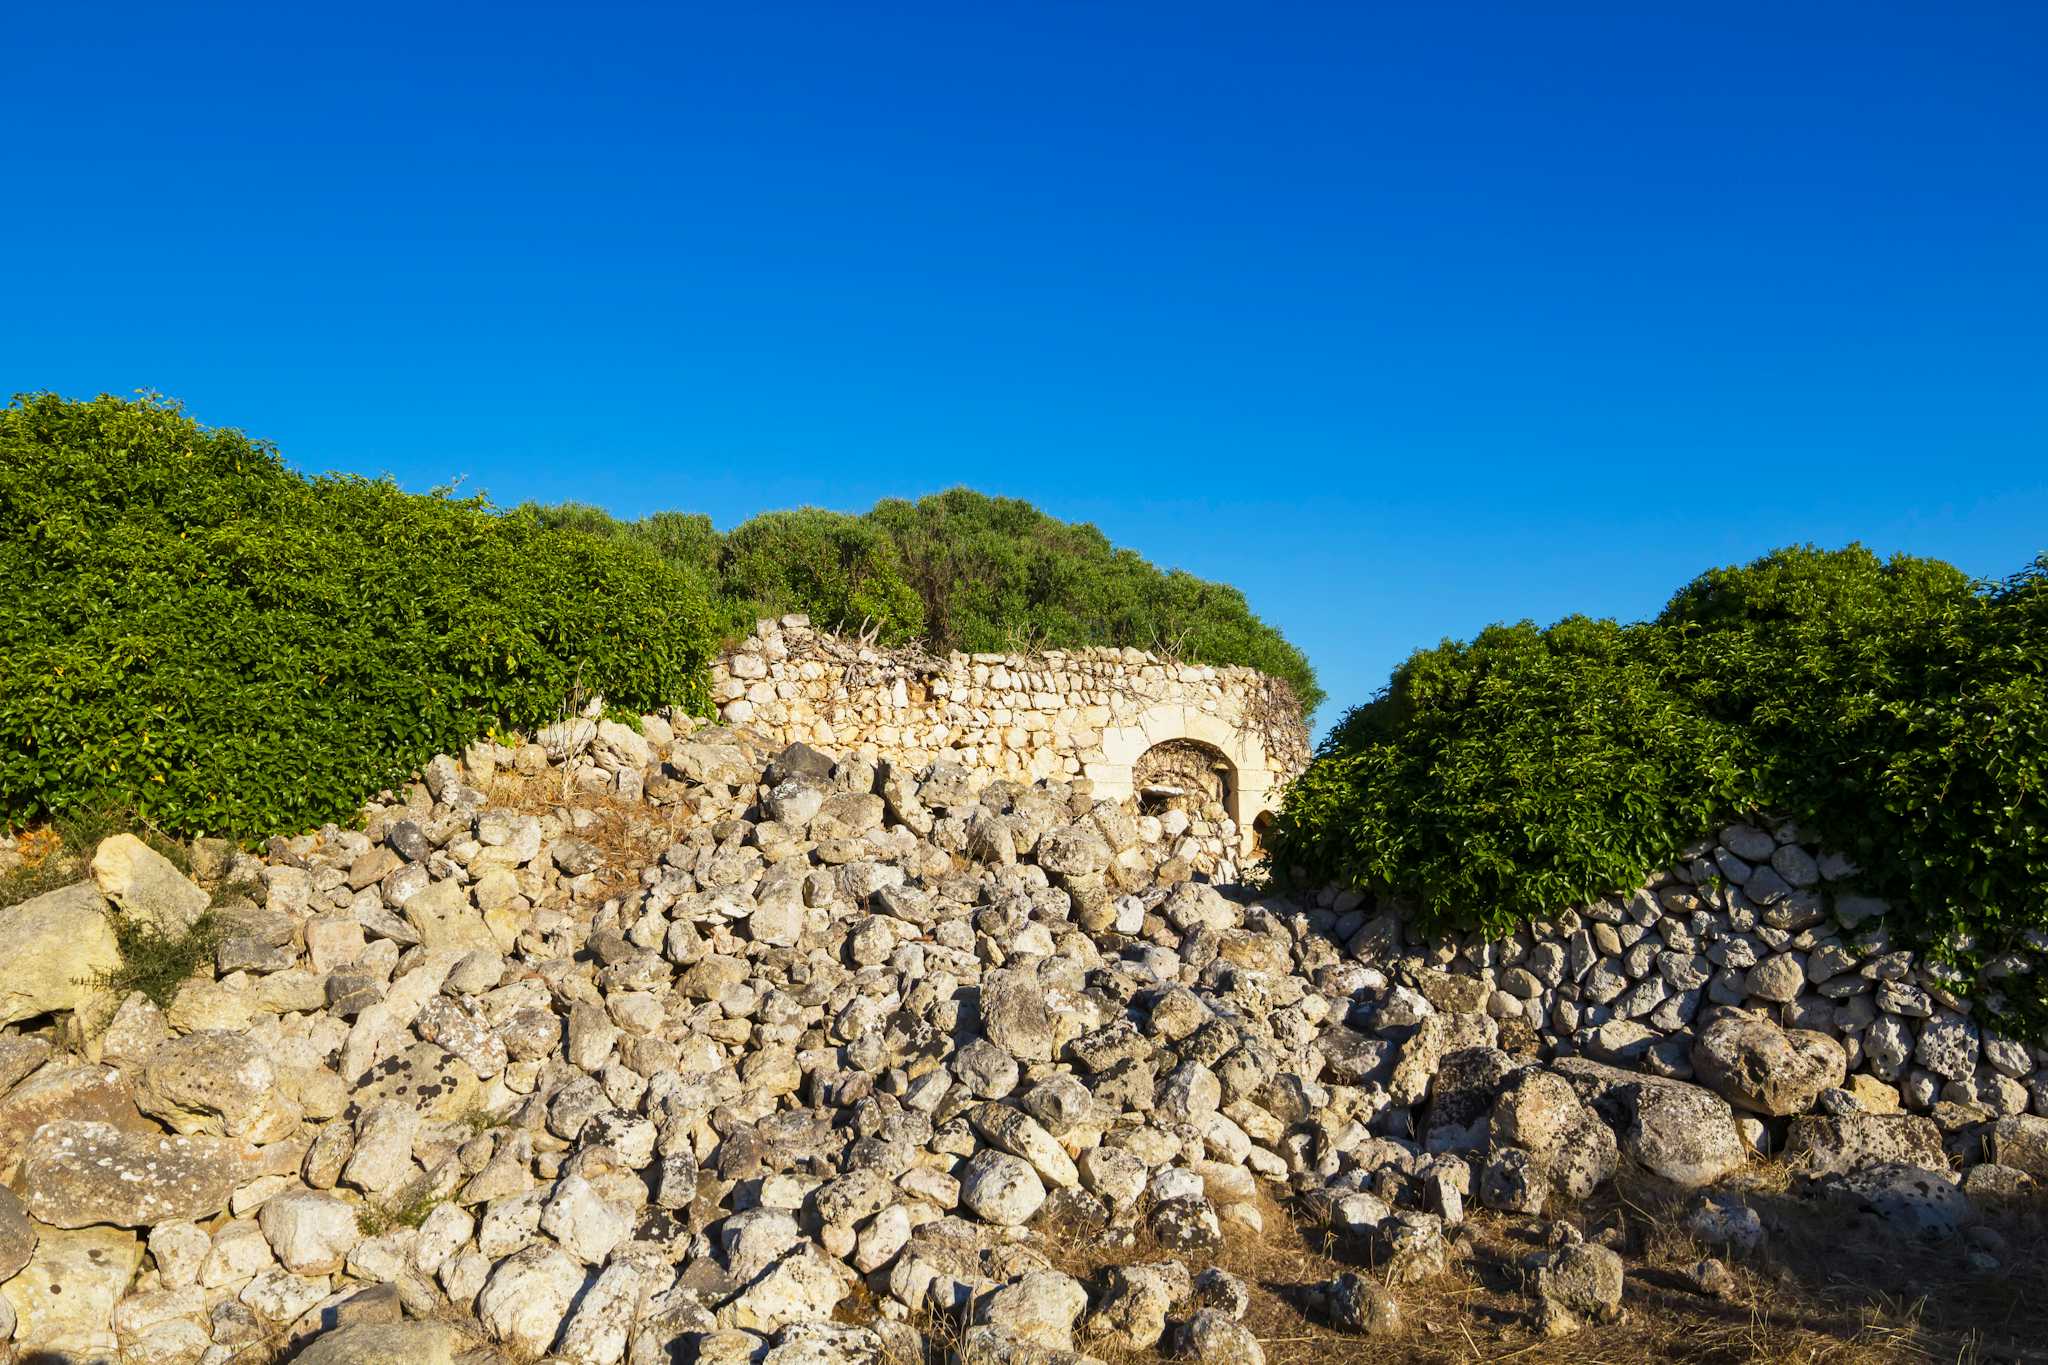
{"points": [[633, 1046]]}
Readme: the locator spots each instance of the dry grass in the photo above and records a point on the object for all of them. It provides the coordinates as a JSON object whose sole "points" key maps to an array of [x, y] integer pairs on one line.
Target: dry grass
{"points": [[628, 835]]}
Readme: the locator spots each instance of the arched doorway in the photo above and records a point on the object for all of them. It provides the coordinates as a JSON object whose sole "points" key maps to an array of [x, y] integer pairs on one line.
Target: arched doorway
{"points": [[1245, 784], [1184, 774]]}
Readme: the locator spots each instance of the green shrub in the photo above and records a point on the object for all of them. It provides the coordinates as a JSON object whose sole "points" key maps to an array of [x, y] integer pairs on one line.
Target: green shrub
{"points": [[839, 569], [960, 570], [192, 631], [1896, 710]]}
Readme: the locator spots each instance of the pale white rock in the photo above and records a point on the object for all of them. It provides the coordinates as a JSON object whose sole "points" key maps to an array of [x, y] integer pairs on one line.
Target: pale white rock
{"points": [[146, 885], [528, 1295], [311, 1233], [597, 1329], [1002, 1189], [586, 1224], [803, 1287]]}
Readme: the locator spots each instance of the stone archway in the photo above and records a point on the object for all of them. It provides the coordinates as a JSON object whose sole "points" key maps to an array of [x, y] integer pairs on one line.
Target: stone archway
{"points": [[1182, 774], [1250, 787]]}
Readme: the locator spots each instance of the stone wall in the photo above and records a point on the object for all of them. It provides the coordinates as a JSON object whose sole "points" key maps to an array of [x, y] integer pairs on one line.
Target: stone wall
{"points": [[1758, 922], [1090, 714]]}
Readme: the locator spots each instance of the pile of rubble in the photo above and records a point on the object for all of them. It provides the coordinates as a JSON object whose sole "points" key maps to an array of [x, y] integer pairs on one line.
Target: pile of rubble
{"points": [[472, 1079]]}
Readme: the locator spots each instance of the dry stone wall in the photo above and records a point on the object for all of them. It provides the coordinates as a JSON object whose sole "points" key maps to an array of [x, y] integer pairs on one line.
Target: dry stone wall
{"points": [[1093, 713], [1756, 923]]}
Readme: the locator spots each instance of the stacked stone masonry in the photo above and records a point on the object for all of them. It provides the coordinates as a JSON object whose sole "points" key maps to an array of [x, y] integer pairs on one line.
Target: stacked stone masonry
{"points": [[1092, 713]]}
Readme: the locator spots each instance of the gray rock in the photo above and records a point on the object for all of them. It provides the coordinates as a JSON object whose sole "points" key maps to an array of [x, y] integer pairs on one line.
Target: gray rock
{"points": [[1582, 1281], [1358, 1304], [1824, 1143], [805, 1286], [1040, 1308], [1217, 1339], [1948, 1045], [1898, 1200], [1015, 1017], [385, 1343], [217, 1082], [1755, 1065], [1721, 1220]]}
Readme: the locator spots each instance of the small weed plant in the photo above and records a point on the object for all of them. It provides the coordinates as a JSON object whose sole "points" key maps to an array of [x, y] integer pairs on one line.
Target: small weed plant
{"points": [[159, 961]]}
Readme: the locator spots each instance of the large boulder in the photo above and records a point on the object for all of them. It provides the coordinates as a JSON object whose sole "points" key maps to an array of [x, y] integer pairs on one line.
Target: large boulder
{"points": [[57, 945], [1681, 1132], [1755, 1065], [147, 885], [1544, 1146], [77, 1173], [217, 1082], [60, 1091], [63, 1299]]}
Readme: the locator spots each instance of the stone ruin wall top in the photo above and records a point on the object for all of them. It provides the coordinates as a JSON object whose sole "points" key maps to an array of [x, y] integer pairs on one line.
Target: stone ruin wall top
{"points": [[1089, 713]]}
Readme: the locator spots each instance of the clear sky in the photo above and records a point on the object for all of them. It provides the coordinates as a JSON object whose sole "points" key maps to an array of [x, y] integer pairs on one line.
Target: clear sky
{"points": [[1404, 318]]}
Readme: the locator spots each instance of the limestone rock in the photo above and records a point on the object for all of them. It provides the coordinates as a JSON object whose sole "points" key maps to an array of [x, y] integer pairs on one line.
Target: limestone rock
{"points": [[802, 1287], [1547, 1145], [385, 1343], [1216, 1339], [1040, 1308], [527, 1297], [17, 1234], [1014, 1015], [1755, 1065], [63, 1299], [57, 944], [2021, 1142], [79, 1172], [1582, 1281], [1896, 1199], [146, 885], [1001, 1189], [312, 1233], [216, 1082], [1819, 1144]]}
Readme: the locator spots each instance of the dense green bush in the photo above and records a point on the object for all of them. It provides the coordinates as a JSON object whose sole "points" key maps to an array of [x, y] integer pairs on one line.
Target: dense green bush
{"points": [[1897, 710], [193, 631], [960, 570]]}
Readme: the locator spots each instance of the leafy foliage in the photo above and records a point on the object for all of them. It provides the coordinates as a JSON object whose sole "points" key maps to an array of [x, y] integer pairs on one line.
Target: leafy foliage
{"points": [[192, 631], [960, 570], [1896, 709]]}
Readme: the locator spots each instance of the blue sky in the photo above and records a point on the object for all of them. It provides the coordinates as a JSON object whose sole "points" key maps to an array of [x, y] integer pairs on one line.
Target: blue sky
{"points": [[1405, 319]]}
